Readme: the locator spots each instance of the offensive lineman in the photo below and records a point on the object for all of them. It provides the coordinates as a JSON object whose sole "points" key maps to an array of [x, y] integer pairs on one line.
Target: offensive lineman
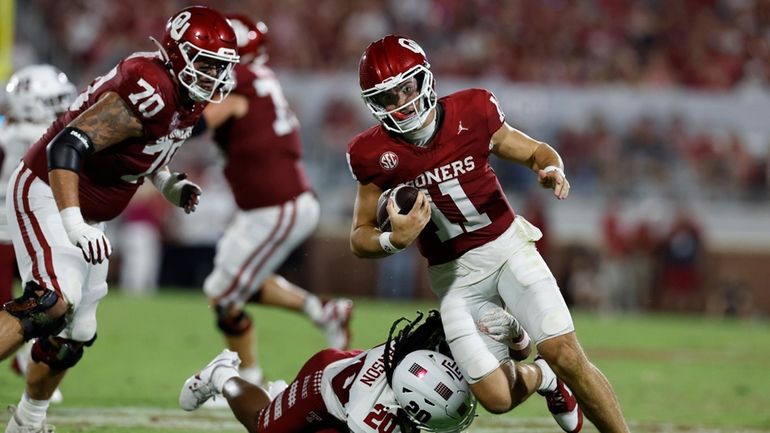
{"points": [[123, 128]]}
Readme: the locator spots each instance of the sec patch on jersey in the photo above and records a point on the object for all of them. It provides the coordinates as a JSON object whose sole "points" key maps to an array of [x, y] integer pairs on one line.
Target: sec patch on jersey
{"points": [[404, 197]]}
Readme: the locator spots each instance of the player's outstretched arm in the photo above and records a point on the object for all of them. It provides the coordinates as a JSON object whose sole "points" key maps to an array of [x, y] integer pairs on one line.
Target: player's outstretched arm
{"points": [[177, 189], [233, 107], [511, 144]]}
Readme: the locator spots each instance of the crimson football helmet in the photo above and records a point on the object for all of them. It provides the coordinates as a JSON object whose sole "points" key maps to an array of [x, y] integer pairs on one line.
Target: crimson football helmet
{"points": [[251, 37], [433, 393], [39, 93], [386, 65], [201, 47]]}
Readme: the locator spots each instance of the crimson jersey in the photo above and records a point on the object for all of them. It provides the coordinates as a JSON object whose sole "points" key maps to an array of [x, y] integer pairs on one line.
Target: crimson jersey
{"points": [[263, 164], [468, 205], [110, 177]]}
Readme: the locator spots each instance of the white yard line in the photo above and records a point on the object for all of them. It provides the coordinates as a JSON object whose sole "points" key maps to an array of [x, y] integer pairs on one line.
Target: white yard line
{"points": [[219, 420]]}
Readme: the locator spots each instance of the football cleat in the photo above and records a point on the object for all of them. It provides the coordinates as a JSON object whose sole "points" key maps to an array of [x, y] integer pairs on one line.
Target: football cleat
{"points": [[15, 426], [564, 407], [201, 387], [336, 322]]}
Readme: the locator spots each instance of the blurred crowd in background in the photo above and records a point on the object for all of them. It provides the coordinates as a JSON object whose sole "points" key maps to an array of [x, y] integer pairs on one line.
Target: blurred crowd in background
{"points": [[707, 44], [704, 46]]}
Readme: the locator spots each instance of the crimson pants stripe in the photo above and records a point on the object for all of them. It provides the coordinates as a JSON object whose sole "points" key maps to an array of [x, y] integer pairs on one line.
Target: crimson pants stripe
{"points": [[22, 204], [279, 242], [234, 285]]}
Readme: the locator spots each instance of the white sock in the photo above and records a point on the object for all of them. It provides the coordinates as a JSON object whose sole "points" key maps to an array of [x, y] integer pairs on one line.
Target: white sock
{"points": [[313, 308], [252, 374], [31, 411], [222, 375], [548, 381]]}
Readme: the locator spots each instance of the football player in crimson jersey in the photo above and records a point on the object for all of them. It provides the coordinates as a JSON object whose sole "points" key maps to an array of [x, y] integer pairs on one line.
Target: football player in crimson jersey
{"points": [[480, 253], [123, 128], [408, 384], [258, 135], [36, 95]]}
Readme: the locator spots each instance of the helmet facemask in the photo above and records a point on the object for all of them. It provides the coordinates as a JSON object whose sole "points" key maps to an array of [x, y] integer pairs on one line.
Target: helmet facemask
{"points": [[207, 75], [430, 389], [421, 104]]}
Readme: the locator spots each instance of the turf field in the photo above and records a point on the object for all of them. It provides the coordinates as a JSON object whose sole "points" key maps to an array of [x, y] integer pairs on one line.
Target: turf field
{"points": [[672, 374]]}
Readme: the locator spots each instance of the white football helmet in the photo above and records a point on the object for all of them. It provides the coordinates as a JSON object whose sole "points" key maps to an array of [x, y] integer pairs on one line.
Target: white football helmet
{"points": [[39, 93], [432, 392]]}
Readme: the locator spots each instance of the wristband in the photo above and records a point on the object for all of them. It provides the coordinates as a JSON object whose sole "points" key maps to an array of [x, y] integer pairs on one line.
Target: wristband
{"points": [[71, 217], [160, 178], [386, 245], [551, 168]]}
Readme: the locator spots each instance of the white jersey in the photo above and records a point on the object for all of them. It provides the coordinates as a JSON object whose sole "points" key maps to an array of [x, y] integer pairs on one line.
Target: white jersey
{"points": [[15, 139], [370, 405]]}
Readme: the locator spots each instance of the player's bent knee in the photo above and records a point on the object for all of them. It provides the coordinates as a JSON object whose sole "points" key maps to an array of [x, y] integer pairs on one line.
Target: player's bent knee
{"points": [[41, 311], [233, 324], [59, 353]]}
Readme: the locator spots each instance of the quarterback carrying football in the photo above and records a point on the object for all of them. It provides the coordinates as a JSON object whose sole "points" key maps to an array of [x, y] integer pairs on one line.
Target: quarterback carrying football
{"points": [[481, 255], [123, 128]]}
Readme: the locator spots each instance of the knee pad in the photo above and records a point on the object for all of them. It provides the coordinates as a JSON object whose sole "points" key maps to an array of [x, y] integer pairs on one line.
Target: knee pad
{"points": [[40, 311], [233, 325], [59, 353]]}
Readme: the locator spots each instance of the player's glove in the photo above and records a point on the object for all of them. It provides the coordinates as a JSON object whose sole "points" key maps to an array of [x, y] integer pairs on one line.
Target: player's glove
{"points": [[501, 326], [177, 189], [92, 242]]}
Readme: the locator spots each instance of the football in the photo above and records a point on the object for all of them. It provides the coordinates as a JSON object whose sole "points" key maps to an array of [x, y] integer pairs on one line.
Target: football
{"points": [[404, 197]]}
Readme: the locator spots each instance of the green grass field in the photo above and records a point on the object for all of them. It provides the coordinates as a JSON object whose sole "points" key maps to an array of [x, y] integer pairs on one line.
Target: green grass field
{"points": [[672, 374]]}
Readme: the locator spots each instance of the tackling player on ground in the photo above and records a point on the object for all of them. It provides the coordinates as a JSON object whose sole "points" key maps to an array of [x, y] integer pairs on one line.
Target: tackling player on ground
{"points": [[258, 135], [123, 128], [481, 255], [408, 384]]}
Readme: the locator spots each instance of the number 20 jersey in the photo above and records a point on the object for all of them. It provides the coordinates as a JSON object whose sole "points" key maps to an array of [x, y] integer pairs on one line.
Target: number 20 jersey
{"points": [[469, 207], [109, 178]]}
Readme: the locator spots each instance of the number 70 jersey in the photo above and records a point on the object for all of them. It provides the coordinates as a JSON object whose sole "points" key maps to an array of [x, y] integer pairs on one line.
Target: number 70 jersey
{"points": [[468, 205], [110, 177]]}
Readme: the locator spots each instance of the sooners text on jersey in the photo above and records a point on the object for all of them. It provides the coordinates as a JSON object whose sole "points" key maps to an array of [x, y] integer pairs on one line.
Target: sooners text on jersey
{"points": [[109, 178], [263, 164], [468, 205]]}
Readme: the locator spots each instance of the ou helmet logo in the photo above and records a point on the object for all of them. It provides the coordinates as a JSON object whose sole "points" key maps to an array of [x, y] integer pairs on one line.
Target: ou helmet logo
{"points": [[180, 23], [411, 46], [389, 160]]}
